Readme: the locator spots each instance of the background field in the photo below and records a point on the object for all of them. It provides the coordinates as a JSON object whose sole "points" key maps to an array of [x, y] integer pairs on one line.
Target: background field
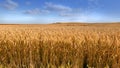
{"points": [[59, 45]]}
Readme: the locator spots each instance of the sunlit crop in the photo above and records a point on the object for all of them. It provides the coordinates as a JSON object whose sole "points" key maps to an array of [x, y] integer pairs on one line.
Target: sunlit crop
{"points": [[60, 46]]}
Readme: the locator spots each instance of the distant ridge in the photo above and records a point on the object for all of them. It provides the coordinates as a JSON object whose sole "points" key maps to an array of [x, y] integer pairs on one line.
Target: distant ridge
{"points": [[65, 23], [86, 23]]}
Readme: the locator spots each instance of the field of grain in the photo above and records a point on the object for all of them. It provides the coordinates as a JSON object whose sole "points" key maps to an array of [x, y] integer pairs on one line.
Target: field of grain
{"points": [[60, 46]]}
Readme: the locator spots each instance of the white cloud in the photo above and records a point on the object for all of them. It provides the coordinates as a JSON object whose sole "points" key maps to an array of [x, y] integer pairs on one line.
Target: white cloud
{"points": [[69, 14], [62, 10], [9, 4], [74, 12], [36, 11], [93, 4], [57, 7], [33, 11]]}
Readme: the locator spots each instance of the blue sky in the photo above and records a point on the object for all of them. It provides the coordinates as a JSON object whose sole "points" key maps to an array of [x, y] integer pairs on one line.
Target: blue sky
{"points": [[50, 11]]}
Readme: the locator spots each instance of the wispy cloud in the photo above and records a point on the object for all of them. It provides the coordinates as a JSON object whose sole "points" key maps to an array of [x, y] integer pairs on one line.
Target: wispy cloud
{"points": [[65, 13], [93, 4], [74, 12], [69, 14], [36, 11], [10, 4], [57, 7], [62, 10], [33, 11], [49, 8]]}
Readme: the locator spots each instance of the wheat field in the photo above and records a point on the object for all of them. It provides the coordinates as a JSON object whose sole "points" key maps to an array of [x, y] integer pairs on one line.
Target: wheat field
{"points": [[60, 46]]}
